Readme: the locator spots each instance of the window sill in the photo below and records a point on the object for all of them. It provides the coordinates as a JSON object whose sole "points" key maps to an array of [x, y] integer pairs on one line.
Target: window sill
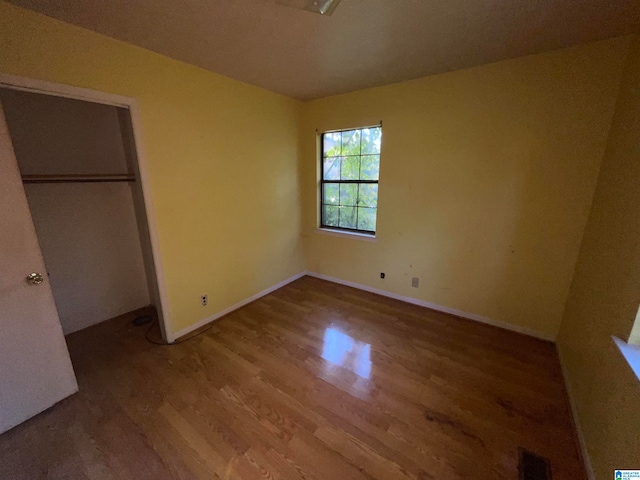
{"points": [[341, 233], [631, 353]]}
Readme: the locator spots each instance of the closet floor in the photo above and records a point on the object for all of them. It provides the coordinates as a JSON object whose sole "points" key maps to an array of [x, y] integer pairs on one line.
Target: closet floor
{"points": [[314, 381]]}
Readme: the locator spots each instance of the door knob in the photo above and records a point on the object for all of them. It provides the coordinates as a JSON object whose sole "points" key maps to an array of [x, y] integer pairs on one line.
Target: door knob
{"points": [[35, 278]]}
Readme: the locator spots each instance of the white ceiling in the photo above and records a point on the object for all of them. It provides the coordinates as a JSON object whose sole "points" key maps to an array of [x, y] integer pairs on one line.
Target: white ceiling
{"points": [[364, 43]]}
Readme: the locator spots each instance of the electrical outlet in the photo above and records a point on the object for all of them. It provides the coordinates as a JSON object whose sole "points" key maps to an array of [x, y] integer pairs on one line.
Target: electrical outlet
{"points": [[204, 299], [415, 282], [382, 275]]}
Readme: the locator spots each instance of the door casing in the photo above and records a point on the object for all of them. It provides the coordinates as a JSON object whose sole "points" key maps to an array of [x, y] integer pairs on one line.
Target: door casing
{"points": [[141, 171]]}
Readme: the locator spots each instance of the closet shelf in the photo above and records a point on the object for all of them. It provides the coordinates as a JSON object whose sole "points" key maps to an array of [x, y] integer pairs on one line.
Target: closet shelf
{"points": [[73, 178]]}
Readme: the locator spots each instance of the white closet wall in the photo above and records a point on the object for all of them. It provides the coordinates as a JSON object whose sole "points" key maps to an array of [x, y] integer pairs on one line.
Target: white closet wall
{"points": [[87, 231]]}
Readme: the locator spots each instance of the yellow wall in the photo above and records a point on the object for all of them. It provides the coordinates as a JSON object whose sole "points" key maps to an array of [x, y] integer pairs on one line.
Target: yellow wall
{"points": [[487, 176], [605, 294], [222, 158]]}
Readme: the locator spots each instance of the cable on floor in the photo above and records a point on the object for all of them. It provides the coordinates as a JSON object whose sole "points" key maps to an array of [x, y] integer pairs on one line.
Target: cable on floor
{"points": [[154, 322]]}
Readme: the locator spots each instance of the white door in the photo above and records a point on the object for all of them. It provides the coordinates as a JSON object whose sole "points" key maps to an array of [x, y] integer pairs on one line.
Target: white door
{"points": [[35, 367]]}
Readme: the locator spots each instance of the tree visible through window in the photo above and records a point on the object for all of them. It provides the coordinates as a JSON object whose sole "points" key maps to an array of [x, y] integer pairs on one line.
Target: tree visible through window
{"points": [[349, 182]]}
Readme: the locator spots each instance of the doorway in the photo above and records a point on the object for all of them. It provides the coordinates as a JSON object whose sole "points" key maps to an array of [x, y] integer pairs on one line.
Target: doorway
{"points": [[84, 176]]}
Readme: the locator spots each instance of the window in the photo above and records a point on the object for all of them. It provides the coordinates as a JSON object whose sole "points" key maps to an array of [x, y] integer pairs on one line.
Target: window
{"points": [[631, 349], [349, 181]]}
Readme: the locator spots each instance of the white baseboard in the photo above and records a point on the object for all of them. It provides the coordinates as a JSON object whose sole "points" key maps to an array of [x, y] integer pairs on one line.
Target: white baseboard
{"points": [[458, 313], [588, 466], [238, 305]]}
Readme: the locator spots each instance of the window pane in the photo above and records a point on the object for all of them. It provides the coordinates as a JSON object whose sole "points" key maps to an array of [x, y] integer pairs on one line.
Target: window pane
{"points": [[351, 142], [351, 157], [370, 167], [331, 168], [331, 216], [331, 144], [331, 194], [348, 194], [350, 168], [348, 217], [367, 219], [371, 139], [368, 195]]}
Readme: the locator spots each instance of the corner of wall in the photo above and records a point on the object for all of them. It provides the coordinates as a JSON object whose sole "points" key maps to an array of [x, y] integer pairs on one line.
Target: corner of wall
{"points": [[603, 295]]}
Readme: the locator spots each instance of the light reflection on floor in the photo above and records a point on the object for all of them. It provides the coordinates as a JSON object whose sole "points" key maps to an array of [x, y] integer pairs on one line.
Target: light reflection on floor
{"points": [[343, 350]]}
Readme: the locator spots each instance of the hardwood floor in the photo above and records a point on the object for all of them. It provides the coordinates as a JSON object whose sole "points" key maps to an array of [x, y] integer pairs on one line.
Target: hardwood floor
{"points": [[314, 381]]}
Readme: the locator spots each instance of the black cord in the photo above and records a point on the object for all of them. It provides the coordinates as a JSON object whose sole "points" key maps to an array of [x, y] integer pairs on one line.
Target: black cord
{"points": [[167, 344]]}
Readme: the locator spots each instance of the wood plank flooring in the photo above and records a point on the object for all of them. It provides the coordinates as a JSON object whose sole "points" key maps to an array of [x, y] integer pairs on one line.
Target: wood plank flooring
{"points": [[314, 381]]}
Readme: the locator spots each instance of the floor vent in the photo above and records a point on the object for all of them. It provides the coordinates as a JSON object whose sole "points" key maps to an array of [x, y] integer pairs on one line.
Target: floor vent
{"points": [[532, 466]]}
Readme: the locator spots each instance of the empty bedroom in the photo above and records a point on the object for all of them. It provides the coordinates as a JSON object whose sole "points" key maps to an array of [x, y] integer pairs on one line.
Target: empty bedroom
{"points": [[320, 239]]}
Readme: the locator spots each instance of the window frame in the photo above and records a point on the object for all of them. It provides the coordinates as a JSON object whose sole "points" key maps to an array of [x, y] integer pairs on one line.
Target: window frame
{"points": [[354, 231]]}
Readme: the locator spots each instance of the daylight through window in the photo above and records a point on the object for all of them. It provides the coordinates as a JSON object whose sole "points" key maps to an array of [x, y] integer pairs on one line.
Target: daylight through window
{"points": [[349, 183]]}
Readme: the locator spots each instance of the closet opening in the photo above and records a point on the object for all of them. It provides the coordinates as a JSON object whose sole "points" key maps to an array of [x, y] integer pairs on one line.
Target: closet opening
{"points": [[81, 174]]}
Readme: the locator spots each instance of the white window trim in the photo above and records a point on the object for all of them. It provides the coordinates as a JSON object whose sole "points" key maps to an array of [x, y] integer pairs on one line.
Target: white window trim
{"points": [[631, 354], [338, 232], [346, 234]]}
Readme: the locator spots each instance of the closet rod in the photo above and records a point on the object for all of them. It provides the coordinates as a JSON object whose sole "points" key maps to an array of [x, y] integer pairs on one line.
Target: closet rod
{"points": [[73, 178]]}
